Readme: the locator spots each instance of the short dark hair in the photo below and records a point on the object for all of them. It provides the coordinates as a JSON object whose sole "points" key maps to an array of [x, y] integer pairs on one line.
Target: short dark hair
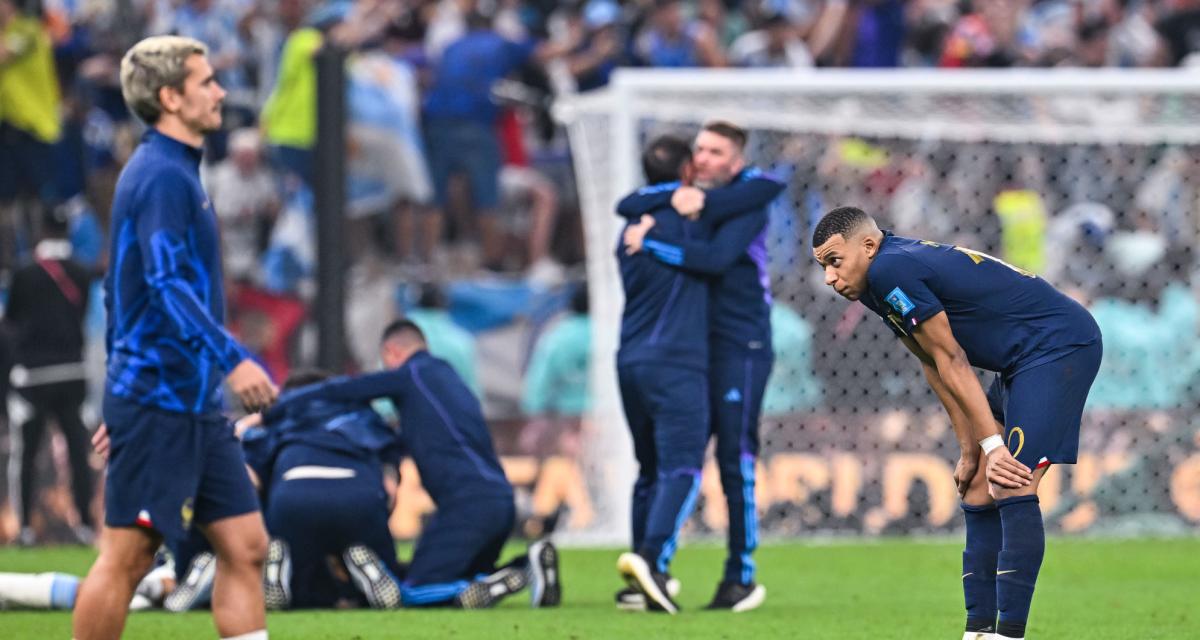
{"points": [[664, 158], [305, 377], [403, 328], [842, 220], [729, 131]]}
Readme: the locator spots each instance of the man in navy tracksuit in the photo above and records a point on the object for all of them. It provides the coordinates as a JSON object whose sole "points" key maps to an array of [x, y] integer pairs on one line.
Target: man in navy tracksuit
{"points": [[443, 429], [740, 352]]}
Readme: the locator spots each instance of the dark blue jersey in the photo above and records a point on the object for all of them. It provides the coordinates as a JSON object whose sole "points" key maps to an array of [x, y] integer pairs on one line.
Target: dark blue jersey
{"points": [[665, 319], [740, 297], [305, 416], [167, 347], [1006, 319], [441, 424]]}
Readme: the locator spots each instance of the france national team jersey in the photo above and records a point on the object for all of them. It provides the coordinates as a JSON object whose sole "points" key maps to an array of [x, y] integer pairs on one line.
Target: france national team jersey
{"points": [[163, 292], [1006, 319]]}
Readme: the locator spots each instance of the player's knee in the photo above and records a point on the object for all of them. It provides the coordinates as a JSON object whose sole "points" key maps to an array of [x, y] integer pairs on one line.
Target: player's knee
{"points": [[249, 551], [1000, 493], [128, 564]]}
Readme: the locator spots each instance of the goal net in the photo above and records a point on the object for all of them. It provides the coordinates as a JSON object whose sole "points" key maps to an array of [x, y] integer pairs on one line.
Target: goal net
{"points": [[1091, 179]]}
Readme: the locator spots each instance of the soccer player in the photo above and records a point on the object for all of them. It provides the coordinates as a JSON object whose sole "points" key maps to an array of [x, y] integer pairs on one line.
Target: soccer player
{"points": [[329, 470], [442, 428], [740, 351], [174, 459], [955, 308]]}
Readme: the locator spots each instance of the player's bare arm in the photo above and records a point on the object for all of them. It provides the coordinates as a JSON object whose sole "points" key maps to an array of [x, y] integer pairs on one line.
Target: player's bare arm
{"points": [[968, 460], [937, 340]]}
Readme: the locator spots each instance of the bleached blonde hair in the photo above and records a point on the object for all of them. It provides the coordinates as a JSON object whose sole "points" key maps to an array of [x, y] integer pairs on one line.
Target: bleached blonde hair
{"points": [[150, 65]]}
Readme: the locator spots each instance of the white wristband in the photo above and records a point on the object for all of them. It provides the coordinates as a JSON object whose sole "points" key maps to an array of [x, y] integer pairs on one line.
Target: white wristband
{"points": [[990, 444]]}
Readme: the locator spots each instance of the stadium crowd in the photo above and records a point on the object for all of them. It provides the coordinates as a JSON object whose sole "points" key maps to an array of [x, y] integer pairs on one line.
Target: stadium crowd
{"points": [[457, 174]]}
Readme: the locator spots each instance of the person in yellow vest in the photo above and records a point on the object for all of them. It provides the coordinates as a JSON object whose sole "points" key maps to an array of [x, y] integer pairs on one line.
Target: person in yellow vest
{"points": [[29, 120]]}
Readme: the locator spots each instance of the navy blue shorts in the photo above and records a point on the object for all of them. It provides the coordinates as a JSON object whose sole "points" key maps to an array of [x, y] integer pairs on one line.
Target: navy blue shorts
{"points": [[1041, 408], [467, 147], [167, 470], [460, 542], [321, 502]]}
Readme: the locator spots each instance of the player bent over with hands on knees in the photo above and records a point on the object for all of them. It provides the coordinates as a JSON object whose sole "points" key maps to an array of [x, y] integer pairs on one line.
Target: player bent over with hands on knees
{"points": [[955, 308]]}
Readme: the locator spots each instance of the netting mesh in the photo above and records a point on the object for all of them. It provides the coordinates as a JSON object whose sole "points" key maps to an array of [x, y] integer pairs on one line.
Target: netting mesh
{"points": [[1097, 191]]}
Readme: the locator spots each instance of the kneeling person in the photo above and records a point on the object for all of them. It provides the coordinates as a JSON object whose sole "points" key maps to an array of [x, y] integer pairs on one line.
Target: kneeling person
{"points": [[443, 429], [329, 469]]}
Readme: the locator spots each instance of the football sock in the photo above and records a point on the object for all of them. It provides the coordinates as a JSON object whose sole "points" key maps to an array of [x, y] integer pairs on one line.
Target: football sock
{"points": [[984, 537], [39, 590], [261, 634], [1019, 561]]}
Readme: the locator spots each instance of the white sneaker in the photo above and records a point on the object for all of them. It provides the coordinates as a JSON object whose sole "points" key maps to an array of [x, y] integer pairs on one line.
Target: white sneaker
{"points": [[630, 599], [979, 635], [638, 574]]}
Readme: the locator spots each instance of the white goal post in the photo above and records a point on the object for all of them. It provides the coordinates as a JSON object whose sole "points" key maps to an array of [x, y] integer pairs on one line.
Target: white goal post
{"points": [[1069, 137]]}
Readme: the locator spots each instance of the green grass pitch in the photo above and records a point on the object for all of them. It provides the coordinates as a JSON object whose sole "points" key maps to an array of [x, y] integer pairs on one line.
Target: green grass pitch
{"points": [[888, 589]]}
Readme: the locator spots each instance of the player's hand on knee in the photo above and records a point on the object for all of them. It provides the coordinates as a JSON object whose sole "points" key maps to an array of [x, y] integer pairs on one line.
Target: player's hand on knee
{"points": [[964, 471], [100, 443], [1005, 471], [252, 386], [688, 201]]}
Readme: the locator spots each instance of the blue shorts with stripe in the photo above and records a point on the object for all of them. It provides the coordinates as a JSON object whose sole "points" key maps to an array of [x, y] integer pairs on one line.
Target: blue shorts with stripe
{"points": [[1041, 407], [167, 470]]}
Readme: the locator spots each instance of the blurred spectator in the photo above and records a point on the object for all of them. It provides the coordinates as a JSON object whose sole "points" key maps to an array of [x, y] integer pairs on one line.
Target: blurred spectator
{"points": [[727, 20], [1022, 211], [775, 44], [670, 40], [1135, 42], [873, 33], [792, 387], [556, 392], [556, 382], [1180, 30], [245, 195], [460, 123], [1168, 194], [986, 37], [29, 124], [592, 62], [46, 308], [289, 118], [530, 205], [388, 171]]}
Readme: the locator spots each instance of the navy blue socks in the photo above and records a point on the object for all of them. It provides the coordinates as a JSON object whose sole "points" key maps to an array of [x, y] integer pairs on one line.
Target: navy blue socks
{"points": [[984, 537], [1019, 561]]}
